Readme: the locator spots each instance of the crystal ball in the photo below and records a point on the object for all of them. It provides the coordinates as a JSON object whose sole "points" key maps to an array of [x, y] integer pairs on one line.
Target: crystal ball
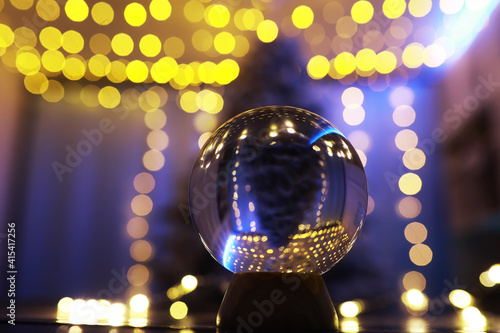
{"points": [[278, 189]]}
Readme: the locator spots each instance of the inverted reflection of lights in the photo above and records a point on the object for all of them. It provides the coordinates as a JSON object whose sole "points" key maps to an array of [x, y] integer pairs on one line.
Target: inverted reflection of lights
{"points": [[350, 325], [417, 325], [350, 309], [460, 298]]}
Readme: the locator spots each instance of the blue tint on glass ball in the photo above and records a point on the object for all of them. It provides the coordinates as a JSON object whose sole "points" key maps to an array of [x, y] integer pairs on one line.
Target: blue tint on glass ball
{"points": [[278, 189]]}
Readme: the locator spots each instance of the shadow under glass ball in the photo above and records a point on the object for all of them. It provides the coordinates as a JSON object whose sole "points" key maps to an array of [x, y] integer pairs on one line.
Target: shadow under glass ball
{"points": [[278, 189]]}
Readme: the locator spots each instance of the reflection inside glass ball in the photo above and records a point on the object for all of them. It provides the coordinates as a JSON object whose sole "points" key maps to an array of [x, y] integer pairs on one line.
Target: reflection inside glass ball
{"points": [[278, 189]]}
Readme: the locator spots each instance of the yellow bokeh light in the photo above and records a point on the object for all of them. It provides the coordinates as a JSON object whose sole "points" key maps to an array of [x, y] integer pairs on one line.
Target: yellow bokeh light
{"points": [[72, 41], [420, 254], [109, 97], [54, 92], [409, 207], [141, 250], [99, 65], [350, 309], [413, 55], [6, 36], [135, 14], [267, 31], [153, 160], [345, 63], [88, 95], [203, 138], [53, 61], [76, 10], [102, 13], [173, 47], [226, 71], [410, 183], [188, 101], [122, 44], [415, 300], [224, 42], [394, 8], [36, 83], [141, 205], [406, 140], [178, 310], [164, 69], [27, 63], [460, 298], [157, 140], [160, 9], [302, 17], [149, 101], [206, 100], [64, 304], [202, 40], [217, 16], [22, 4], [362, 12], [241, 47], [189, 283], [386, 62], [150, 45], [139, 303], [24, 38], [193, 11], [252, 18], [419, 8], [415, 233], [137, 227], [184, 75], [485, 280], [414, 159], [474, 319], [100, 44], [366, 59], [137, 71], [318, 67], [346, 27], [414, 280], [50, 38], [205, 122], [155, 120], [117, 72], [494, 273], [206, 72], [48, 10]]}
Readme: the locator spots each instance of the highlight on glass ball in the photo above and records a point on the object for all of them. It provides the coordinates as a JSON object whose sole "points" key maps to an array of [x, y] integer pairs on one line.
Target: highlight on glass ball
{"points": [[278, 189]]}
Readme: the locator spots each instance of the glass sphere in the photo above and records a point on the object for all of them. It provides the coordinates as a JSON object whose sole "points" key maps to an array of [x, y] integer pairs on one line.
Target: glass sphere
{"points": [[278, 189]]}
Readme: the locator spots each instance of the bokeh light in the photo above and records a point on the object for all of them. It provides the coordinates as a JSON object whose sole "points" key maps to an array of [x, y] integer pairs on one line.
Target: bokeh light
{"points": [[414, 280], [302, 17], [415, 233], [420, 254], [178, 310]]}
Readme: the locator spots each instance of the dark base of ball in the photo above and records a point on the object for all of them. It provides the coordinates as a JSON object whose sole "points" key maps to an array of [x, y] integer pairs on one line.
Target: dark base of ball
{"points": [[277, 301]]}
